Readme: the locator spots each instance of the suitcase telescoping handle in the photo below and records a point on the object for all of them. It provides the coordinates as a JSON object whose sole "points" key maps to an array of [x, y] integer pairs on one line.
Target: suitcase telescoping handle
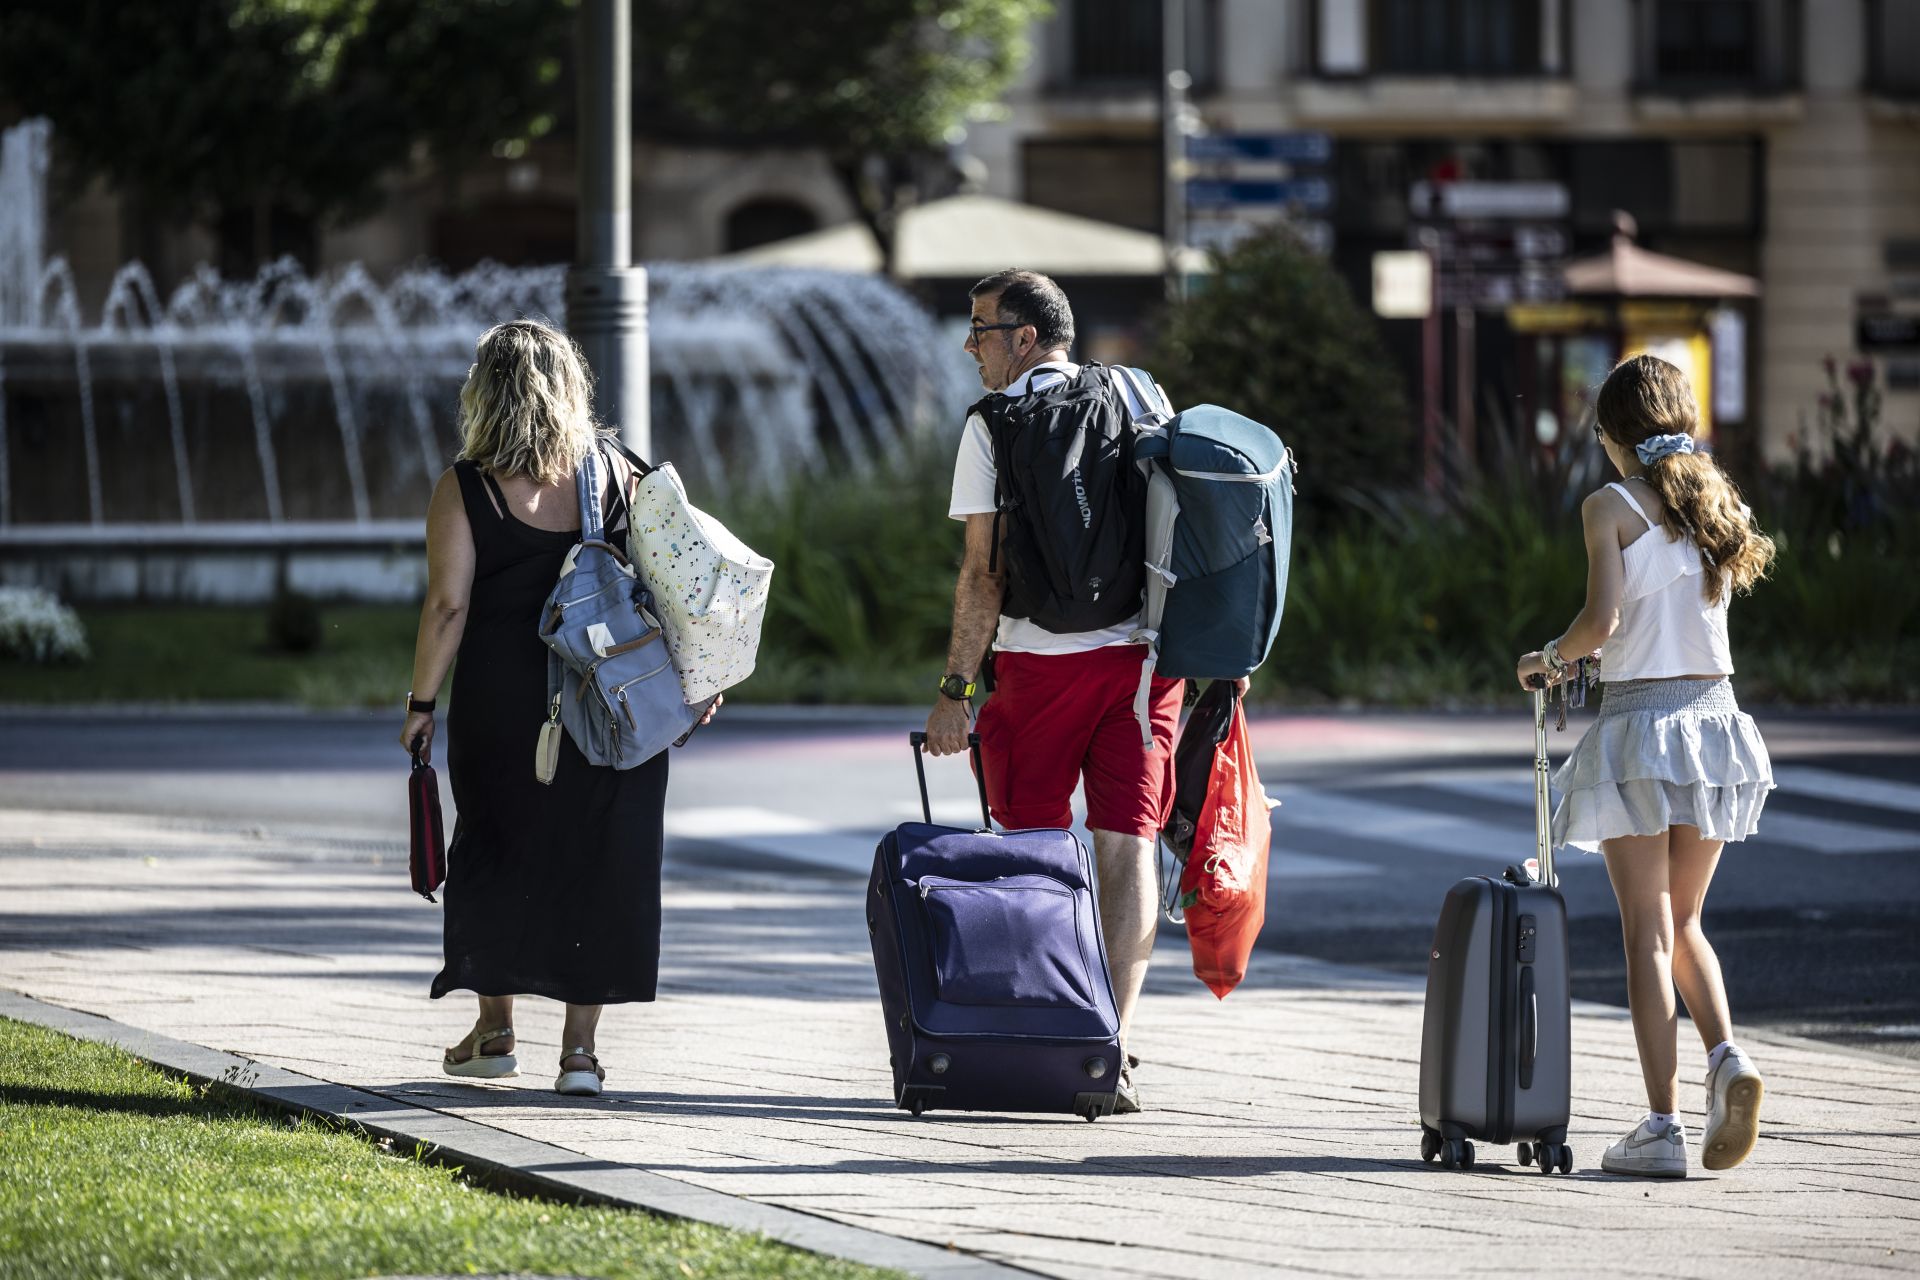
{"points": [[1542, 824], [919, 741]]}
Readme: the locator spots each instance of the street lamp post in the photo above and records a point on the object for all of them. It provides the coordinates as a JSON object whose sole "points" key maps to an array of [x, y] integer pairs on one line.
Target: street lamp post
{"points": [[606, 293], [1174, 83]]}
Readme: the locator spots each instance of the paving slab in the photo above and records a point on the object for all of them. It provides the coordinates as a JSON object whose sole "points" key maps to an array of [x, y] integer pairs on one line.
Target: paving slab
{"points": [[1281, 1136]]}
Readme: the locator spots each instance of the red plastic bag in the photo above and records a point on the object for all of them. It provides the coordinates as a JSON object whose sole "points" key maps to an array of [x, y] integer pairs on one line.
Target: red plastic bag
{"points": [[1223, 888]]}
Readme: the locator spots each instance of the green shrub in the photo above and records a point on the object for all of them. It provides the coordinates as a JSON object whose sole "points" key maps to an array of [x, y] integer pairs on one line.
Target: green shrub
{"points": [[1275, 334], [1399, 598], [863, 580]]}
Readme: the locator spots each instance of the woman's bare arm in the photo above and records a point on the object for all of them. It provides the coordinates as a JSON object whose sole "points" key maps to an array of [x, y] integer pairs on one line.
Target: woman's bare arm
{"points": [[1600, 517], [443, 617], [1606, 578]]}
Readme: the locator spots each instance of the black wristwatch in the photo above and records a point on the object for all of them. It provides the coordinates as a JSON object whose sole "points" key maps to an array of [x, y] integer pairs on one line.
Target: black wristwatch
{"points": [[959, 688], [424, 705]]}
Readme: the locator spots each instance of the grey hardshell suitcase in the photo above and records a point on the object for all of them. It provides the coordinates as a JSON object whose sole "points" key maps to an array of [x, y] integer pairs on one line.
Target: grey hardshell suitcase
{"points": [[1495, 1057]]}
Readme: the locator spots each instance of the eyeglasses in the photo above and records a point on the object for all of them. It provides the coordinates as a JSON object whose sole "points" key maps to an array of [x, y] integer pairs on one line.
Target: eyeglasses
{"points": [[976, 328]]}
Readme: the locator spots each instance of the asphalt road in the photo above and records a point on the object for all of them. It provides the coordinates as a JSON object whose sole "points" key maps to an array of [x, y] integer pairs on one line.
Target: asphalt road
{"points": [[1817, 937], [1817, 921]]}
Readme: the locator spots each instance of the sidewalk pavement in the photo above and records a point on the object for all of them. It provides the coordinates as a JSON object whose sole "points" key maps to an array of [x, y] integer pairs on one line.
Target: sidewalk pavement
{"points": [[1281, 1135]]}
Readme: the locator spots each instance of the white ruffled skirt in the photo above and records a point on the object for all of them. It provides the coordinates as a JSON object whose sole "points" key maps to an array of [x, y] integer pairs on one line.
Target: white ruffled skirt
{"points": [[1661, 753]]}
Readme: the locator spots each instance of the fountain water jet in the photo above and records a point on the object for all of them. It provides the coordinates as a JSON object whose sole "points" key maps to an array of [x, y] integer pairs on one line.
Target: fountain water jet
{"points": [[342, 389]]}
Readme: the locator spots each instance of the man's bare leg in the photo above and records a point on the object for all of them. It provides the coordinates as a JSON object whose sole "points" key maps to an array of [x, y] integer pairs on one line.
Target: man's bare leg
{"points": [[1129, 915]]}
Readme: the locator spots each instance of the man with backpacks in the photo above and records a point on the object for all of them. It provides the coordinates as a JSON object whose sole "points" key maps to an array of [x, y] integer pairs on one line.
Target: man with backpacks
{"points": [[1052, 580]]}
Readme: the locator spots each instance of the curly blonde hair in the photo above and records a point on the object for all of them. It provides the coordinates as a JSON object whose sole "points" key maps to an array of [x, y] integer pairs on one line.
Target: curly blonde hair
{"points": [[527, 405], [1645, 396]]}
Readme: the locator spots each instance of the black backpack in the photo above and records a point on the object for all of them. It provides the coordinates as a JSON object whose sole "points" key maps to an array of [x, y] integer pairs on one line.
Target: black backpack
{"points": [[1070, 514]]}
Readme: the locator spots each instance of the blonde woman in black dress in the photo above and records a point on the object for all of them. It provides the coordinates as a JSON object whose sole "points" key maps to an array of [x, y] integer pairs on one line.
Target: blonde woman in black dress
{"points": [[552, 890]]}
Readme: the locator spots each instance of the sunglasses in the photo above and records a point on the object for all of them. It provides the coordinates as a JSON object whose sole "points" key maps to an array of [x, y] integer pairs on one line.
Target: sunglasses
{"points": [[976, 328]]}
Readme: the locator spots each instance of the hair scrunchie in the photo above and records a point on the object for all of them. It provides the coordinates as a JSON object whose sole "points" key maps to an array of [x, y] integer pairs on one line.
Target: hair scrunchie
{"points": [[1654, 448]]}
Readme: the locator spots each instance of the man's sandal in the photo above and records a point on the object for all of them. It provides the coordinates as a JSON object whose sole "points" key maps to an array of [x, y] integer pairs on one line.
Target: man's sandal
{"points": [[579, 1084], [483, 1065]]}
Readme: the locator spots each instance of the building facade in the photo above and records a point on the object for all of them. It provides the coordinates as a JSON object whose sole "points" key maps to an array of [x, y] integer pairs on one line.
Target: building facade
{"points": [[1775, 138], [1779, 139]]}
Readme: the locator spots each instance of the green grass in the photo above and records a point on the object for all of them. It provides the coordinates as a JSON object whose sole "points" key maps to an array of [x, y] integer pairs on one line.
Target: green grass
{"points": [[219, 654], [205, 654], [111, 1168]]}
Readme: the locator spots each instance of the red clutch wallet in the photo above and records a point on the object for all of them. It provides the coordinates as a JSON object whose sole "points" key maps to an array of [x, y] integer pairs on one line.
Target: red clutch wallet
{"points": [[428, 861]]}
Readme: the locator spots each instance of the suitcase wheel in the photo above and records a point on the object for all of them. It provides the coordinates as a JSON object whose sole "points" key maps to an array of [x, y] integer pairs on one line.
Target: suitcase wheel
{"points": [[1526, 1153], [1456, 1153], [1429, 1144], [917, 1107], [1554, 1156]]}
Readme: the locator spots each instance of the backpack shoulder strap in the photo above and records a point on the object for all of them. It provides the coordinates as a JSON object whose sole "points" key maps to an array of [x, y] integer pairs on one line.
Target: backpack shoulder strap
{"points": [[588, 482], [1137, 387]]}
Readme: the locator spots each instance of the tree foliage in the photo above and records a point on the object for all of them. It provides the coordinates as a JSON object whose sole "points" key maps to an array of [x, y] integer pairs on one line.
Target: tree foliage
{"points": [[881, 86], [208, 108], [201, 108], [1276, 334]]}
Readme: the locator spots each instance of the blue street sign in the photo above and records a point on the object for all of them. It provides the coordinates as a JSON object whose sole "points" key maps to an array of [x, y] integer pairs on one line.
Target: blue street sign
{"points": [[1314, 194], [1289, 148]]}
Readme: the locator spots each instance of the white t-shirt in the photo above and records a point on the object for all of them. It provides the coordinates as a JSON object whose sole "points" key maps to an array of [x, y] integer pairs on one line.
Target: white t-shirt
{"points": [[973, 484]]}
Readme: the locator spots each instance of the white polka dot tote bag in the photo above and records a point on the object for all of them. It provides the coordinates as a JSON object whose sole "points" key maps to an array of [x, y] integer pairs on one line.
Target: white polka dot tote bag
{"points": [[709, 588]]}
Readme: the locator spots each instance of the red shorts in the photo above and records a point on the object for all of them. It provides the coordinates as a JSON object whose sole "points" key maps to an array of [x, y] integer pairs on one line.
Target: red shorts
{"points": [[1055, 718]]}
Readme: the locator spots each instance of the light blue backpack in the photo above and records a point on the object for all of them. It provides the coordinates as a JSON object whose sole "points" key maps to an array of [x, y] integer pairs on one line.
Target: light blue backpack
{"points": [[610, 680], [1219, 532]]}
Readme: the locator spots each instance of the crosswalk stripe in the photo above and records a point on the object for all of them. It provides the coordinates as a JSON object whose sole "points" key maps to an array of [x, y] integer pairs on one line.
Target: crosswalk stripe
{"points": [[773, 832], [1290, 864], [1363, 818], [1832, 835], [1777, 826], [791, 836], [1503, 831], [737, 821], [1831, 784]]}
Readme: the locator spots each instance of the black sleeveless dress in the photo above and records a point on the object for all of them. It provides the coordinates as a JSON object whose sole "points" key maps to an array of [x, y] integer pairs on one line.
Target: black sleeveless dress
{"points": [[552, 890]]}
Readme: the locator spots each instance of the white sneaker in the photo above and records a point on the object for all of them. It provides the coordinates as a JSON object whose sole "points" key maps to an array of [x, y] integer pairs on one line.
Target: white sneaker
{"points": [[1734, 1089], [1646, 1154]]}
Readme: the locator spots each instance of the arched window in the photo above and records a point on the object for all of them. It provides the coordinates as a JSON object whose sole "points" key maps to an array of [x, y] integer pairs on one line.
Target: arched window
{"points": [[766, 219]]}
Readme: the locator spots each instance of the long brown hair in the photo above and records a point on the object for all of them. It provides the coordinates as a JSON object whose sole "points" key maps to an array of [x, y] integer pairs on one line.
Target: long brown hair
{"points": [[1645, 397]]}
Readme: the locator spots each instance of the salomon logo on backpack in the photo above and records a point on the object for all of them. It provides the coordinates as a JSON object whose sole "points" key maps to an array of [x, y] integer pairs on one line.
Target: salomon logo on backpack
{"points": [[1070, 504], [1219, 517]]}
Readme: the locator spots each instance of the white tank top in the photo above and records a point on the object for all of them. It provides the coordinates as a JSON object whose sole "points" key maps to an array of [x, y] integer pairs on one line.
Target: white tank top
{"points": [[1667, 627]]}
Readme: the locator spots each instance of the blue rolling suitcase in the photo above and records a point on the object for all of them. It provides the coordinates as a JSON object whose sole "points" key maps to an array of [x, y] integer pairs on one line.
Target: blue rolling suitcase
{"points": [[993, 974]]}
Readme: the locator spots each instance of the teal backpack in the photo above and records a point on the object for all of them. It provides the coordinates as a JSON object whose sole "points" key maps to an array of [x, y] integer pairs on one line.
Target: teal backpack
{"points": [[1219, 533]]}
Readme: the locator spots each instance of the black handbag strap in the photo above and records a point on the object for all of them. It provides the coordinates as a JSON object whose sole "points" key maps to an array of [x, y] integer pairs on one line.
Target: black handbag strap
{"points": [[641, 469], [644, 468]]}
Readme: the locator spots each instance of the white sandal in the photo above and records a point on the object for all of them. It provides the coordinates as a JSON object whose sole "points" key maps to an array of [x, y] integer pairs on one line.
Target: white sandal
{"points": [[579, 1084], [484, 1066]]}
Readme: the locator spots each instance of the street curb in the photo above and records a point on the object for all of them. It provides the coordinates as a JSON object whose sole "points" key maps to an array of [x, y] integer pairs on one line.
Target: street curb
{"points": [[507, 1160], [741, 713], [890, 714]]}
